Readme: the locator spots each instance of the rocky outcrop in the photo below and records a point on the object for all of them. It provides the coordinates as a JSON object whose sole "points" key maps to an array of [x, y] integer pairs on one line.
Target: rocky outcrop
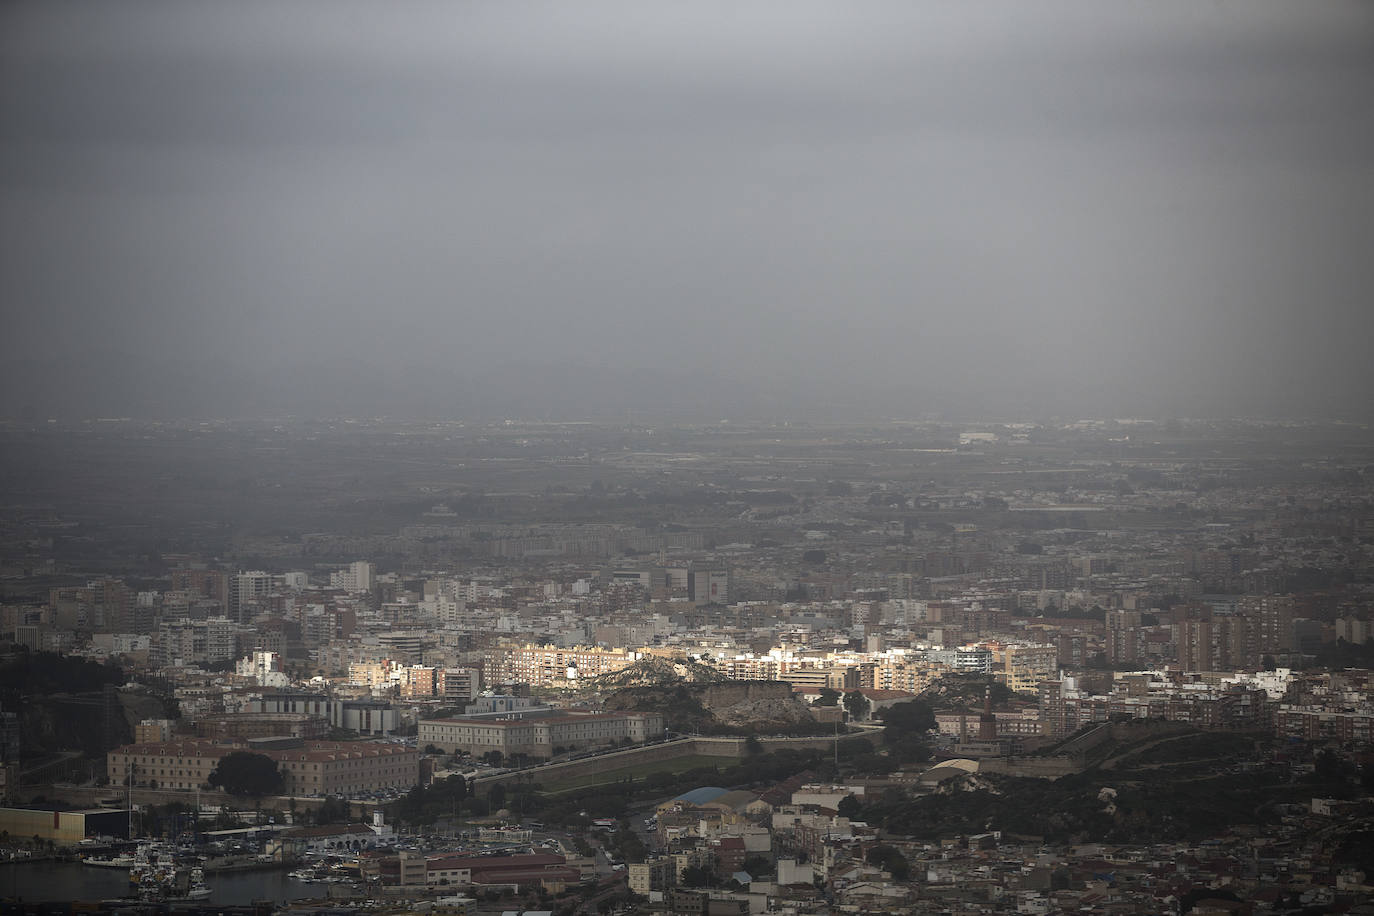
{"points": [[81, 722], [766, 716], [757, 707], [735, 693], [968, 782], [658, 672], [729, 708]]}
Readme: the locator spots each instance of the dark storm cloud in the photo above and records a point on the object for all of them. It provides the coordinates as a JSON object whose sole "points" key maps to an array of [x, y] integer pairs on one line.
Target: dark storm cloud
{"points": [[519, 206]]}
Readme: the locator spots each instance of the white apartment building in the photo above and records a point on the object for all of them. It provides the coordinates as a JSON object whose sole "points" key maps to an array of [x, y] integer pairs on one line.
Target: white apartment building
{"points": [[357, 577]]}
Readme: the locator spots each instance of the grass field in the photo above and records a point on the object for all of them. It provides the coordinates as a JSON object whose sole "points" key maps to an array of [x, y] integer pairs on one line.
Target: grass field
{"points": [[638, 771]]}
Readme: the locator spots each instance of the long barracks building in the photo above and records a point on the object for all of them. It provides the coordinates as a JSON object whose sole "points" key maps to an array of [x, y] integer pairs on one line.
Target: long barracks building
{"points": [[309, 767], [537, 734]]}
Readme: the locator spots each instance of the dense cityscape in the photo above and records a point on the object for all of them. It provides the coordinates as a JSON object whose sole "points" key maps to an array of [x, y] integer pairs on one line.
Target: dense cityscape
{"points": [[931, 666], [748, 458]]}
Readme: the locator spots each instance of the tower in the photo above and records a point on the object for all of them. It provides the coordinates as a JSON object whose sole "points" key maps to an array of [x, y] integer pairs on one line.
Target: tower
{"points": [[987, 722]]}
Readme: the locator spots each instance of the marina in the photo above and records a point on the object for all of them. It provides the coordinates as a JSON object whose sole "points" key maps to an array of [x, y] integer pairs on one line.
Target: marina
{"points": [[52, 881]]}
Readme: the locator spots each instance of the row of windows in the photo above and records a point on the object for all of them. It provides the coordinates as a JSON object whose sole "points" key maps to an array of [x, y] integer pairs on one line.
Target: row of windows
{"points": [[201, 768]]}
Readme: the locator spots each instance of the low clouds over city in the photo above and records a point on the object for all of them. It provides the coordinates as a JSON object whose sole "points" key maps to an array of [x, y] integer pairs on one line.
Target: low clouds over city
{"points": [[766, 209]]}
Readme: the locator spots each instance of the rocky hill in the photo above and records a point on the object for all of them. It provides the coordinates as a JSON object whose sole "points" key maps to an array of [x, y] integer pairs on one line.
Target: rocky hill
{"points": [[721, 708], [658, 672], [766, 707], [66, 703], [965, 692]]}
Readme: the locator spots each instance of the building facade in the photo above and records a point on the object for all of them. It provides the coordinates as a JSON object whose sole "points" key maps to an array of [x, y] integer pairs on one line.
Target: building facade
{"points": [[537, 736], [309, 767]]}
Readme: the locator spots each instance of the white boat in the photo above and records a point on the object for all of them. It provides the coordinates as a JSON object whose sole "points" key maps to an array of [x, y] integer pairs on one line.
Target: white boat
{"points": [[153, 870], [197, 889], [155, 876], [124, 860]]}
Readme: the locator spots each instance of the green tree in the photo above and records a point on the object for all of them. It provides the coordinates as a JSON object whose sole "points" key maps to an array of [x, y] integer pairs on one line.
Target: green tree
{"points": [[332, 810], [873, 764], [1329, 766], [889, 860], [757, 866], [247, 773], [629, 847], [857, 705], [903, 720], [457, 789], [828, 697], [848, 807], [909, 750], [697, 876]]}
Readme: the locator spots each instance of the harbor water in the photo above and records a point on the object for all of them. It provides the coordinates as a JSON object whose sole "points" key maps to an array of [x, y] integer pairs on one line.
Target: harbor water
{"points": [[66, 881]]}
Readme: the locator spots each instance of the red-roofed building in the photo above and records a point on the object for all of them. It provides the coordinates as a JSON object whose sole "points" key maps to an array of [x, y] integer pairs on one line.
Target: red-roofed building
{"points": [[347, 767], [545, 869]]}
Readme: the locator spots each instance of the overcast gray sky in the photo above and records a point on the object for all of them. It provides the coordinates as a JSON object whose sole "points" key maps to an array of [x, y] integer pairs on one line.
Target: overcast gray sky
{"points": [[889, 208]]}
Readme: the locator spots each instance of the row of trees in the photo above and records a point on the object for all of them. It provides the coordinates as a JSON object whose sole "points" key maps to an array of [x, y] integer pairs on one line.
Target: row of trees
{"points": [[246, 773], [854, 702]]}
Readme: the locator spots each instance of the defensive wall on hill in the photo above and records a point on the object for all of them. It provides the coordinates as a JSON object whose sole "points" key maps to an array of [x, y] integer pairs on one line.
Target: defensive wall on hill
{"points": [[1088, 749], [732, 748], [1078, 747], [1031, 767], [93, 797], [729, 748]]}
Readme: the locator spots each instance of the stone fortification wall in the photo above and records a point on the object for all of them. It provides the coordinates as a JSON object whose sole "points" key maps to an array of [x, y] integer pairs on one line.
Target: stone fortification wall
{"points": [[733, 748], [1031, 767]]}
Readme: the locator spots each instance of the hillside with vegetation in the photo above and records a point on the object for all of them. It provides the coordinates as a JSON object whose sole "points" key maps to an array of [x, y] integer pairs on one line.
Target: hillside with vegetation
{"points": [[658, 672], [1162, 787], [964, 692]]}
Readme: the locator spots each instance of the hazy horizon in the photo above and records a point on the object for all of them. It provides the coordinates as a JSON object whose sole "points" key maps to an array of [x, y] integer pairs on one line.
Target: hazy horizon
{"points": [[758, 209]]}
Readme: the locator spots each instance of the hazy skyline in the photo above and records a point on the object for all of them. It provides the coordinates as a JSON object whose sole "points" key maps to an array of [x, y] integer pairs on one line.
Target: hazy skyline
{"points": [[538, 208]]}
